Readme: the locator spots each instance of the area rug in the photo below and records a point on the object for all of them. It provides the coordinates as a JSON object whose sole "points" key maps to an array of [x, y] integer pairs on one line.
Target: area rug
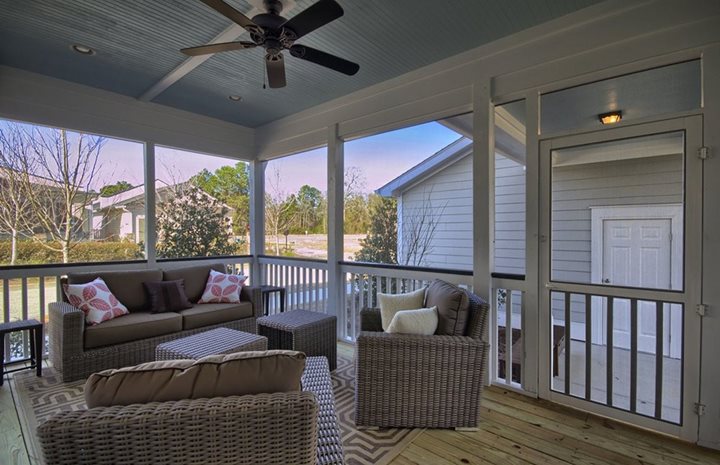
{"points": [[36, 399]]}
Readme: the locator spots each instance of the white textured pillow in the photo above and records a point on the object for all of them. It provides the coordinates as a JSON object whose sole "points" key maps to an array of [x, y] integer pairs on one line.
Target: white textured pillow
{"points": [[390, 304], [423, 321]]}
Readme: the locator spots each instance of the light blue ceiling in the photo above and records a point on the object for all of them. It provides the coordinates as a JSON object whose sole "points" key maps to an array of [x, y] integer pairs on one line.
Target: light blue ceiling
{"points": [[138, 42]]}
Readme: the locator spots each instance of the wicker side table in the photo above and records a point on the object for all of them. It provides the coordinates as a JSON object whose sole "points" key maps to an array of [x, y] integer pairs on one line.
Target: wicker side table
{"points": [[310, 332], [213, 342]]}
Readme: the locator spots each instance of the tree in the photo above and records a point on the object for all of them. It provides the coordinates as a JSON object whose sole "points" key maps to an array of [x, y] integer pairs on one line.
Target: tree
{"points": [[280, 209], [357, 215], [57, 175], [114, 189], [14, 203], [380, 245], [230, 185], [420, 223], [191, 223], [309, 203]]}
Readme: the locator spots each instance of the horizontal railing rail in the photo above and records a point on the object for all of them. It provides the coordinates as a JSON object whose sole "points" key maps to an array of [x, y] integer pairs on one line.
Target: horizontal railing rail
{"points": [[25, 291]]}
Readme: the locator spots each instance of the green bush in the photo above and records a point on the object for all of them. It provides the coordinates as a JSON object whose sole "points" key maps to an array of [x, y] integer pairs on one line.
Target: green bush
{"points": [[33, 253]]}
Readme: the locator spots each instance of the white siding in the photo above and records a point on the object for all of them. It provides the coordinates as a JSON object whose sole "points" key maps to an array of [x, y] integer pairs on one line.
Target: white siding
{"points": [[509, 216], [448, 197]]}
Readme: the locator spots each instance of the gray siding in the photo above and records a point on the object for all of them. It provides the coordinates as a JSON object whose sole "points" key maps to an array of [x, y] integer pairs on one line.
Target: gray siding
{"points": [[509, 216]]}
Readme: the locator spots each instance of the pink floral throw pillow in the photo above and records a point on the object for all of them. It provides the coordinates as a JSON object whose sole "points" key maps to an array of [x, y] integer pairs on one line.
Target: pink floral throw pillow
{"points": [[95, 300], [222, 288]]}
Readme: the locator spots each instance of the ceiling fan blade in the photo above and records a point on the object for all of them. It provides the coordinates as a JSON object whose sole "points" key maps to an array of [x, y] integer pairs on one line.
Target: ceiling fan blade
{"points": [[215, 48], [275, 71], [232, 14], [314, 17], [324, 59]]}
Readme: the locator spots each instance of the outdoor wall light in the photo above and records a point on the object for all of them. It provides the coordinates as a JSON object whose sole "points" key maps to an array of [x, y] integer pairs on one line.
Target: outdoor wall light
{"points": [[82, 49], [235, 98], [611, 117]]}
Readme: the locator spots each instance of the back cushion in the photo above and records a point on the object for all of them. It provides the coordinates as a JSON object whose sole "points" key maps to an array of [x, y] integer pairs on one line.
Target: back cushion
{"points": [[195, 278], [127, 286], [237, 374], [453, 306]]}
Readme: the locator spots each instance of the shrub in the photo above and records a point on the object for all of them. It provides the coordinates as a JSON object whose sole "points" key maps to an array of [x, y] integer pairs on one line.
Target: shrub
{"points": [[33, 253]]}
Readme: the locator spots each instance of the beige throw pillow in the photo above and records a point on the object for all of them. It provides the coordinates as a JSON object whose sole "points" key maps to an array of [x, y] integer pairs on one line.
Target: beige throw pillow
{"points": [[390, 304], [423, 321], [234, 374]]}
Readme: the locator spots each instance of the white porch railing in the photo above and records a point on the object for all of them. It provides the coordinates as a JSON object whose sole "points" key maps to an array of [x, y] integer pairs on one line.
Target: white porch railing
{"points": [[305, 282], [25, 291], [506, 330]]}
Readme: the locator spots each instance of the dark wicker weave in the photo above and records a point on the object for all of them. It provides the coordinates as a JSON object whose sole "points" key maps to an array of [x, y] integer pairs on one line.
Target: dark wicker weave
{"points": [[66, 326], [213, 342], [410, 381], [298, 428], [310, 332]]}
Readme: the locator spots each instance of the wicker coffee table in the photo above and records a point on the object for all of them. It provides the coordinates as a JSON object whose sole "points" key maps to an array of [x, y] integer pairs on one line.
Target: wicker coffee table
{"points": [[310, 332], [213, 342]]}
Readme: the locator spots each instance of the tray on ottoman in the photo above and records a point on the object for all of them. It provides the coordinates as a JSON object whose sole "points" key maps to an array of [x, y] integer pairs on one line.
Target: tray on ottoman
{"points": [[302, 330], [213, 342]]}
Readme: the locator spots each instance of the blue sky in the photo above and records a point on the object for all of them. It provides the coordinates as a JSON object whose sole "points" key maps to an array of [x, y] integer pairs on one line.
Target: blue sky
{"points": [[381, 158]]}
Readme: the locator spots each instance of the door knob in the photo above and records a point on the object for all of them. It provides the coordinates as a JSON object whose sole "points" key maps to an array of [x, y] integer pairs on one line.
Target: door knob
{"points": [[606, 280]]}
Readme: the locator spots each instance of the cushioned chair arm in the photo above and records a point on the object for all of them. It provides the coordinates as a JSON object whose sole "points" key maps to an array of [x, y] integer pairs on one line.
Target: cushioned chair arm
{"points": [[66, 327], [370, 319], [253, 295], [264, 428]]}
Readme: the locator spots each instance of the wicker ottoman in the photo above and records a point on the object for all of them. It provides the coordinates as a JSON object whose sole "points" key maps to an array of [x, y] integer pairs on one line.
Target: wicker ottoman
{"points": [[310, 332], [213, 342], [316, 379]]}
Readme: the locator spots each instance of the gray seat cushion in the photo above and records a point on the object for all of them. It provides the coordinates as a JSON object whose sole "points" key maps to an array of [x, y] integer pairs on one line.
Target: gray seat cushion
{"points": [[127, 286], [453, 306], [195, 278], [132, 327], [212, 314]]}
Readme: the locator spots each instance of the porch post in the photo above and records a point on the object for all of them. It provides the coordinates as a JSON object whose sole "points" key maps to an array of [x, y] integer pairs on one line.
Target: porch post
{"points": [[150, 218], [257, 219], [483, 188], [335, 196]]}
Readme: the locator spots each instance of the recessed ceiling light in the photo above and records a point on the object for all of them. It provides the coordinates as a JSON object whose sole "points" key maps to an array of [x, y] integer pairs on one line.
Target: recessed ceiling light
{"points": [[82, 49], [235, 98], [610, 118]]}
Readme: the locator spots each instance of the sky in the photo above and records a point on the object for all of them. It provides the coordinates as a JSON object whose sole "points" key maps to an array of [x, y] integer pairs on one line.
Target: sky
{"points": [[380, 158]]}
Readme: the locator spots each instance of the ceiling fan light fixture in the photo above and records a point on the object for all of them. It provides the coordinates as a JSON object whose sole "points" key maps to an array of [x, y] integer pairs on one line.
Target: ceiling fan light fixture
{"points": [[610, 117], [82, 49], [235, 98]]}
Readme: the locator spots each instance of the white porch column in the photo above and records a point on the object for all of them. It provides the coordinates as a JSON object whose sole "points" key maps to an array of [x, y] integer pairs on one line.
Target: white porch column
{"points": [[483, 186], [150, 217], [257, 218], [335, 196]]}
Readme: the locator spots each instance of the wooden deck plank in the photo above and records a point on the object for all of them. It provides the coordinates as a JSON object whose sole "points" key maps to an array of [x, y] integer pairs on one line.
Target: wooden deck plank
{"points": [[457, 446], [12, 446]]}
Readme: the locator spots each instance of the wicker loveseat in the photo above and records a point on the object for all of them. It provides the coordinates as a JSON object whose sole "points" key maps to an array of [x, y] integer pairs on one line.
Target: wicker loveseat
{"points": [[413, 381], [77, 350], [298, 428]]}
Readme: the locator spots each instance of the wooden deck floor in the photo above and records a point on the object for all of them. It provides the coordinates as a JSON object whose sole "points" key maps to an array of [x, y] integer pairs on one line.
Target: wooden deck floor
{"points": [[515, 430]]}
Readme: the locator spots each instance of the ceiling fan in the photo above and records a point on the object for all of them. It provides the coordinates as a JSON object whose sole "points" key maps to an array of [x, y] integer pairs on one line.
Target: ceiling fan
{"points": [[275, 34]]}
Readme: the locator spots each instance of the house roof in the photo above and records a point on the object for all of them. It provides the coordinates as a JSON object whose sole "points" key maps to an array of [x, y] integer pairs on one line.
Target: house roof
{"points": [[137, 193]]}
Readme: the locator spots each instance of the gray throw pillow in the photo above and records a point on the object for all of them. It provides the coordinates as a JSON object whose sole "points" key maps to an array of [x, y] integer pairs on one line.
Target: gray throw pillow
{"points": [[453, 305], [167, 296]]}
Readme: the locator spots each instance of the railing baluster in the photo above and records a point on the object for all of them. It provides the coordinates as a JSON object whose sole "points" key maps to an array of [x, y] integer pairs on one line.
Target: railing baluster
{"points": [[633, 354], [6, 316], [568, 343], [610, 353], [508, 336], [41, 297], [659, 340], [588, 347]]}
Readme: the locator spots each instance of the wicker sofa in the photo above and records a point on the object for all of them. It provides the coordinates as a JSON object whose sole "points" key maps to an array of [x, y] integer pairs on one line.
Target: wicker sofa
{"points": [[77, 350], [298, 428], [412, 381]]}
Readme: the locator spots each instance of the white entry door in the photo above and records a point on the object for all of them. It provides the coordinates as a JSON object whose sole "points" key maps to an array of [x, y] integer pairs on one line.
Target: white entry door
{"points": [[637, 253]]}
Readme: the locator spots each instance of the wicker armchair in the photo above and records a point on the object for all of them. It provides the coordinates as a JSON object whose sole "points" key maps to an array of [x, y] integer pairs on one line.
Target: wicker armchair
{"points": [[298, 428], [410, 381]]}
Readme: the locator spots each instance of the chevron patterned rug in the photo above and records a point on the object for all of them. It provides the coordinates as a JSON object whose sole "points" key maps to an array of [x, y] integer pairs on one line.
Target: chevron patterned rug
{"points": [[38, 398]]}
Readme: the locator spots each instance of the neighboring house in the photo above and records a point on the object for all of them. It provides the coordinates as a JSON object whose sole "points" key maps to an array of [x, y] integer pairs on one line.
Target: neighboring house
{"points": [[617, 216], [122, 216]]}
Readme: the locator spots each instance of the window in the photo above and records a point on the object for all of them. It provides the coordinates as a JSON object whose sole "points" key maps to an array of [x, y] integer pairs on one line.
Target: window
{"points": [[408, 196], [202, 205], [66, 196], [296, 205]]}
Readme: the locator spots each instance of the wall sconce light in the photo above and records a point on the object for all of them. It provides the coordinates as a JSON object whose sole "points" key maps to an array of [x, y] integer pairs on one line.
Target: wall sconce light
{"points": [[611, 117]]}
